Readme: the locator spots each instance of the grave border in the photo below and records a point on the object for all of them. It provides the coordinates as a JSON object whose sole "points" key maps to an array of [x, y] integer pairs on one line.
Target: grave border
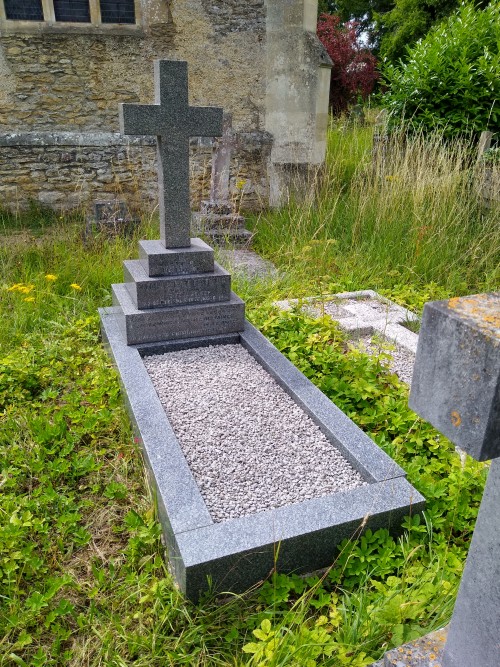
{"points": [[301, 537]]}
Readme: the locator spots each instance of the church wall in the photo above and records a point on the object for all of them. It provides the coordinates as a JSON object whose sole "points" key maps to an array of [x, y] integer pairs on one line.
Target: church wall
{"points": [[60, 88]]}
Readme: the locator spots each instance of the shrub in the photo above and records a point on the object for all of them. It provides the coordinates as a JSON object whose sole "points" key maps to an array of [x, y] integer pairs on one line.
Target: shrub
{"points": [[354, 68], [451, 80]]}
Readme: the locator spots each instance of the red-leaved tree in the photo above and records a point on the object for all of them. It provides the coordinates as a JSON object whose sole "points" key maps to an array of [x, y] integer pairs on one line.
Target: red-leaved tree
{"points": [[354, 67]]}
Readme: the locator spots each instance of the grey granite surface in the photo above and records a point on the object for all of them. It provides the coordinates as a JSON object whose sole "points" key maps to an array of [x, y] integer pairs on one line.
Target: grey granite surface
{"points": [[190, 321], [160, 261], [173, 122], [164, 291], [237, 553], [456, 380]]}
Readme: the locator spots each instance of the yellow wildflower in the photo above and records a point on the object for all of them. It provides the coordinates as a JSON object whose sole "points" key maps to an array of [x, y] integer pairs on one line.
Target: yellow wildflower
{"points": [[29, 298], [75, 286], [26, 289], [240, 183], [15, 288], [50, 276]]}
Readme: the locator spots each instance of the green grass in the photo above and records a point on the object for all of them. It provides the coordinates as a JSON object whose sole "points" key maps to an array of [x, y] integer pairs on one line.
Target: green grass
{"points": [[83, 579], [412, 223]]}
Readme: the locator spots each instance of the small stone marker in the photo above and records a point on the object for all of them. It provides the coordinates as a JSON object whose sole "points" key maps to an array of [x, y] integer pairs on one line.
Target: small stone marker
{"points": [[456, 387], [173, 122], [111, 218], [174, 290], [221, 162]]}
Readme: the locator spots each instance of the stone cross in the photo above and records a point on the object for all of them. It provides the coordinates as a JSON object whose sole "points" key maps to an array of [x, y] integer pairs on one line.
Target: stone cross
{"points": [[221, 162], [456, 387], [173, 122]]}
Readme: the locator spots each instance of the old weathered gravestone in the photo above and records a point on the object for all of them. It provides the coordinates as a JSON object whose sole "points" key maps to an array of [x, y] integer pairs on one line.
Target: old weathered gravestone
{"points": [[111, 217], [218, 219], [456, 387], [175, 298], [174, 290]]}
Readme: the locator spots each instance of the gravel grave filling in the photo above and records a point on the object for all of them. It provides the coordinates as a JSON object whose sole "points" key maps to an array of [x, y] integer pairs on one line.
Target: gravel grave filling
{"points": [[249, 446]]}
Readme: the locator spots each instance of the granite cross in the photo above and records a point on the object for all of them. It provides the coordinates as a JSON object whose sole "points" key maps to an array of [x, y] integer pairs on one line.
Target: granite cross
{"points": [[173, 122]]}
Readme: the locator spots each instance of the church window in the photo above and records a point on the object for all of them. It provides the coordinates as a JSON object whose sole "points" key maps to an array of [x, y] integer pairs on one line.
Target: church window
{"points": [[24, 10], [122, 11], [94, 12]]}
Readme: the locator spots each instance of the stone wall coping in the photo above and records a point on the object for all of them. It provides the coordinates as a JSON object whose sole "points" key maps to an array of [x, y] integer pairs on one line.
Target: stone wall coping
{"points": [[107, 139]]}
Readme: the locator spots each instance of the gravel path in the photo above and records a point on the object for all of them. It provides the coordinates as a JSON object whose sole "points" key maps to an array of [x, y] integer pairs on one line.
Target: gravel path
{"points": [[249, 446]]}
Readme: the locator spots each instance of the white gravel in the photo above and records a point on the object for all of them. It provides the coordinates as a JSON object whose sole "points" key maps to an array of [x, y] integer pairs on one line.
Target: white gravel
{"points": [[400, 361], [249, 446]]}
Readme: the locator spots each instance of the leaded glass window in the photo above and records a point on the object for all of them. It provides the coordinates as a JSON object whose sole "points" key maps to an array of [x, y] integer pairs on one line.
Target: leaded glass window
{"points": [[24, 10], [72, 11], [117, 11]]}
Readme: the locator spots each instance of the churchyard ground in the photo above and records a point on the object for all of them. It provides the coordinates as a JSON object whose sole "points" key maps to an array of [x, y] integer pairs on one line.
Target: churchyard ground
{"points": [[83, 578]]}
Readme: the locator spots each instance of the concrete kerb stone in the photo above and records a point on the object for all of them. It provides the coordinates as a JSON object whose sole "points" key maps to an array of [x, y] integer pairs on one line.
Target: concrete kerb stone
{"points": [[361, 320], [236, 554]]}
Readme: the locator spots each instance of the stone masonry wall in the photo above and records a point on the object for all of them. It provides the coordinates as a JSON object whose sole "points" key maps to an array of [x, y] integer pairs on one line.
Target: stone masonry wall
{"points": [[60, 81]]}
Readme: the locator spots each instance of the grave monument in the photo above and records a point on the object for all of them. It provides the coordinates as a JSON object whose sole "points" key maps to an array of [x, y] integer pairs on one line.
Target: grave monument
{"points": [[456, 387], [174, 290], [218, 219], [175, 298]]}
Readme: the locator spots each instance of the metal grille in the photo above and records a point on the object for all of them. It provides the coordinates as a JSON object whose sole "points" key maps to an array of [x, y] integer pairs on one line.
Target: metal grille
{"points": [[117, 11], [24, 10], [73, 11]]}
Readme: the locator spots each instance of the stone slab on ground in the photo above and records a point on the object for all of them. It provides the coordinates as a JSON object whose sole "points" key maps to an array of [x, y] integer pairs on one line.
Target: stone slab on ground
{"points": [[247, 263], [363, 313], [424, 652], [367, 316], [237, 553]]}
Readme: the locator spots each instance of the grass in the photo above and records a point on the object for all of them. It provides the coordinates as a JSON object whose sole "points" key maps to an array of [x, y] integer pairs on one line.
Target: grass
{"points": [[413, 220], [83, 579]]}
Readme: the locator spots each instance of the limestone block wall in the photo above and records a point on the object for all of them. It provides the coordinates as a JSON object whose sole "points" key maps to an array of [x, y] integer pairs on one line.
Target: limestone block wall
{"points": [[60, 87], [297, 92]]}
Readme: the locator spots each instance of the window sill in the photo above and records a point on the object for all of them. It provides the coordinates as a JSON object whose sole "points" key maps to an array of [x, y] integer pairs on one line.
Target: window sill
{"points": [[49, 28]]}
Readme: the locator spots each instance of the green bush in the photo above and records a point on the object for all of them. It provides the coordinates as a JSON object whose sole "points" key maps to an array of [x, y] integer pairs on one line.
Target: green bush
{"points": [[451, 79]]}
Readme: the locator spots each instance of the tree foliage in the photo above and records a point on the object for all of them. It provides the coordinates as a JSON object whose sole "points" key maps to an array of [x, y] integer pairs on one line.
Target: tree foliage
{"points": [[354, 68], [451, 79], [410, 20]]}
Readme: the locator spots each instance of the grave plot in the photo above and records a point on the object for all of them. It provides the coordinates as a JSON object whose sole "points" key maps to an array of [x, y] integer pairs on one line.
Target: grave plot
{"points": [[281, 495], [368, 317]]}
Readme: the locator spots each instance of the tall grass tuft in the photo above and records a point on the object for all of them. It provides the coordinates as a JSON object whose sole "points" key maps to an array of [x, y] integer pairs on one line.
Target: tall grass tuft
{"points": [[414, 216]]}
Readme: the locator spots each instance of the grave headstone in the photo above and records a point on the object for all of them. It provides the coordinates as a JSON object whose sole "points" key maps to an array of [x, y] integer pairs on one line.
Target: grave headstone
{"points": [[174, 290], [456, 387], [111, 217], [176, 298], [218, 219]]}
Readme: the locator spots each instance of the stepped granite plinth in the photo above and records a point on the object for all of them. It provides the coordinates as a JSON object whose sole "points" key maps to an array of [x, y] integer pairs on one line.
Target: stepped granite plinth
{"points": [[158, 308]]}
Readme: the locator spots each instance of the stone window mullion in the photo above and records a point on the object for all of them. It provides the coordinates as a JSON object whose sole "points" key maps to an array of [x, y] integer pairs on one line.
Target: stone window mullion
{"points": [[48, 11], [95, 12]]}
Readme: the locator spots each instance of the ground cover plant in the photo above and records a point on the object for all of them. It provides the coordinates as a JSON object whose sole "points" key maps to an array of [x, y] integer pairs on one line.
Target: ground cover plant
{"points": [[83, 579]]}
